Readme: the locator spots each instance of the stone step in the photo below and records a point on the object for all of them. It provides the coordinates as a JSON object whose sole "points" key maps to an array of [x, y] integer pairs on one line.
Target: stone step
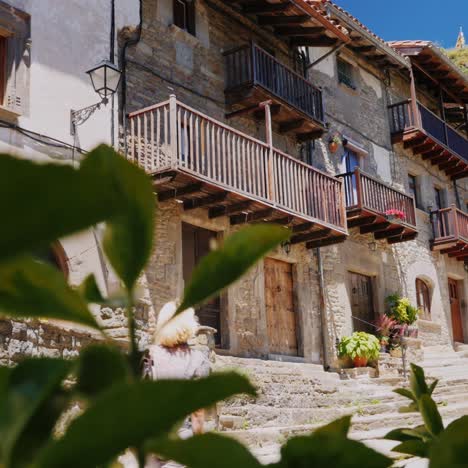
{"points": [[258, 415], [264, 436]]}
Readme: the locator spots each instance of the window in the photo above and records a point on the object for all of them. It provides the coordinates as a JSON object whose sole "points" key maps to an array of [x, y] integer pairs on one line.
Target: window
{"points": [[345, 73], [438, 198], [184, 15], [423, 298], [307, 152], [412, 188], [352, 160]]}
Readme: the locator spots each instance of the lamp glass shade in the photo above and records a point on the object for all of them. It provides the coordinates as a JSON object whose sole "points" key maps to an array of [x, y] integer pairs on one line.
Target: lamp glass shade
{"points": [[105, 78]]}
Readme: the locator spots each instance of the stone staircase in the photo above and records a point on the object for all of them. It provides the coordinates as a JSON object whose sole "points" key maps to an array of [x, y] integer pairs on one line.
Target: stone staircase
{"points": [[296, 398]]}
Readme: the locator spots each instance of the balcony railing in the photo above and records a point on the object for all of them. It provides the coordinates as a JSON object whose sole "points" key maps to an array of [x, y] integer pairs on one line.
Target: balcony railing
{"points": [[450, 225], [250, 65], [172, 136], [364, 192], [402, 118]]}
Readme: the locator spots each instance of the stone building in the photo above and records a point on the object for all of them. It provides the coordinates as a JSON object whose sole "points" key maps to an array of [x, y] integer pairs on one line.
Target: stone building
{"points": [[233, 107]]}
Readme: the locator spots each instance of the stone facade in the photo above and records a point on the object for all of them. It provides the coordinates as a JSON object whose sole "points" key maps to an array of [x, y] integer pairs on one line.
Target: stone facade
{"points": [[168, 60]]}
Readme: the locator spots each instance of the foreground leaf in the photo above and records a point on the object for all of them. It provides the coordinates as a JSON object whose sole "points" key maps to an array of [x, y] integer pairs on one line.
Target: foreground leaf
{"points": [[338, 427], [451, 447], [223, 266], [431, 415], [129, 414], [128, 238], [406, 393], [418, 381], [204, 451], [43, 202], [29, 390], [100, 367], [91, 293], [29, 288], [329, 450], [418, 448], [404, 434]]}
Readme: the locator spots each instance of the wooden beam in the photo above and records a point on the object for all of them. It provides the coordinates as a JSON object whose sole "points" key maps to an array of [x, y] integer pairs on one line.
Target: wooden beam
{"points": [[315, 235], [416, 140], [405, 237], [205, 201], [302, 227], [460, 175], [298, 30], [324, 242], [283, 221], [243, 218], [308, 136], [177, 192], [291, 125], [225, 210], [282, 20], [426, 146], [457, 170], [363, 49], [260, 7], [374, 227], [389, 233], [324, 41], [361, 221]]}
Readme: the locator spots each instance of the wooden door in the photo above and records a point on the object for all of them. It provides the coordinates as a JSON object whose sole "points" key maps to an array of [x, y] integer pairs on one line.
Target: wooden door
{"points": [[195, 245], [362, 304], [280, 314], [457, 324]]}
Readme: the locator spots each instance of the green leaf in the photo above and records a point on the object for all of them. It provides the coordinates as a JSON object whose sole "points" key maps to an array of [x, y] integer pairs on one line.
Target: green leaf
{"points": [[406, 393], [90, 291], [451, 447], [433, 386], [42, 202], [340, 426], [29, 392], [404, 434], [99, 367], [430, 415], [329, 450], [128, 238], [29, 288], [203, 451], [417, 448], [128, 414], [223, 266], [418, 381]]}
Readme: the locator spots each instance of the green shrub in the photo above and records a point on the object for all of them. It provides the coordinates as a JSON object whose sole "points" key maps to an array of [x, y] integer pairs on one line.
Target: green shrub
{"points": [[359, 344], [401, 310]]}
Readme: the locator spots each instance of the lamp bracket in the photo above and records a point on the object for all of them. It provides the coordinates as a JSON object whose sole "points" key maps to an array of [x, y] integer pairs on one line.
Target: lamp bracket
{"points": [[80, 116]]}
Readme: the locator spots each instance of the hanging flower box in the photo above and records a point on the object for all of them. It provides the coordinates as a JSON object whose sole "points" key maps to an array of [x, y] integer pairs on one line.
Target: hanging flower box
{"points": [[395, 214]]}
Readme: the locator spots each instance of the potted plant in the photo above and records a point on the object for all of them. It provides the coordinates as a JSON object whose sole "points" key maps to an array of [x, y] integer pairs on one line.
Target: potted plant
{"points": [[395, 214], [333, 143], [385, 326], [405, 314], [361, 347]]}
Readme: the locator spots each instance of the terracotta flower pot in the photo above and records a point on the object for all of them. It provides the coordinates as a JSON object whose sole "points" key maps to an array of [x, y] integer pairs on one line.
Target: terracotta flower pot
{"points": [[360, 361], [333, 147]]}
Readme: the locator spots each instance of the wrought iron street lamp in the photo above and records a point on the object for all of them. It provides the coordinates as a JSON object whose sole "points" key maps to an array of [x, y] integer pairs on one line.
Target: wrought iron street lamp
{"points": [[105, 78]]}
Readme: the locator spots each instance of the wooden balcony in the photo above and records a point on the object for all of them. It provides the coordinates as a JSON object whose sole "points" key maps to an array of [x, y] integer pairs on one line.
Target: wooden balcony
{"points": [[450, 228], [203, 163], [428, 135], [255, 76], [368, 202]]}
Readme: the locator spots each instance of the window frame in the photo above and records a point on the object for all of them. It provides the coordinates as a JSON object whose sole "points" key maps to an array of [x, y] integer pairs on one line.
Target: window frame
{"points": [[423, 292], [413, 182], [185, 20], [346, 78], [439, 202]]}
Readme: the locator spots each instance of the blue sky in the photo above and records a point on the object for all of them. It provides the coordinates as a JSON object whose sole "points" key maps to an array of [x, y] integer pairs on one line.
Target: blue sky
{"points": [[434, 20]]}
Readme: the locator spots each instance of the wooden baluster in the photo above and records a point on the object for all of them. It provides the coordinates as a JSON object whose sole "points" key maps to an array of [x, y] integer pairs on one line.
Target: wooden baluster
{"points": [[152, 161], [132, 139], [139, 157], [158, 138], [173, 129]]}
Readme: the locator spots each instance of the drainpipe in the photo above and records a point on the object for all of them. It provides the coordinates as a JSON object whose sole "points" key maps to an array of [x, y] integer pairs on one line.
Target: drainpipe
{"points": [[322, 310], [123, 60]]}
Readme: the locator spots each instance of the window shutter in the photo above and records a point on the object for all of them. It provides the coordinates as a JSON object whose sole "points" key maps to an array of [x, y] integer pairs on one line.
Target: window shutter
{"points": [[17, 87]]}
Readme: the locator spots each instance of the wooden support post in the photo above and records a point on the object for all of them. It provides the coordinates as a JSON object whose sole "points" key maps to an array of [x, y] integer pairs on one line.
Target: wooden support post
{"points": [[416, 120], [173, 129], [465, 115], [442, 113], [269, 141]]}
